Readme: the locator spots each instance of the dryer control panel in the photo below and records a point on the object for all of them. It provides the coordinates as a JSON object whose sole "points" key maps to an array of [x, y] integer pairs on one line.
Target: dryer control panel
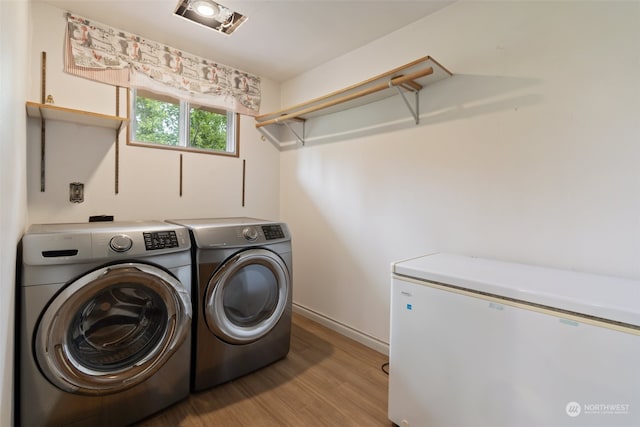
{"points": [[240, 235]]}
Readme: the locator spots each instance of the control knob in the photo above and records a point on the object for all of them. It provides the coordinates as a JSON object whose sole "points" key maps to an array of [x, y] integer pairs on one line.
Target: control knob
{"points": [[120, 243], [250, 233]]}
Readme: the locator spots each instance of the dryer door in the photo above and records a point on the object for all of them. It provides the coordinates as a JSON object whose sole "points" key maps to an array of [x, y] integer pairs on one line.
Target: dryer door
{"points": [[112, 328], [247, 295]]}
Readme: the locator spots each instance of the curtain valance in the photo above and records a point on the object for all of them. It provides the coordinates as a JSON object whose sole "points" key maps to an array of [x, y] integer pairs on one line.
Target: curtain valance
{"points": [[108, 55]]}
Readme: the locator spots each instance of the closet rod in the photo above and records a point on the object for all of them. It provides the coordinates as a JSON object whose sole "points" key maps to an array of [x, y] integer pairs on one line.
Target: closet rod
{"points": [[396, 81]]}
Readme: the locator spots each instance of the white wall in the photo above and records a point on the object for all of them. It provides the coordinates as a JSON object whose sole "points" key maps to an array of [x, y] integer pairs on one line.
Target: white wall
{"points": [[14, 40], [529, 153], [149, 178]]}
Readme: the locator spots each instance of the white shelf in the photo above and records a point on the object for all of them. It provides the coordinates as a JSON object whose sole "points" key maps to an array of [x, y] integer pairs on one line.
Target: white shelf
{"points": [[52, 112]]}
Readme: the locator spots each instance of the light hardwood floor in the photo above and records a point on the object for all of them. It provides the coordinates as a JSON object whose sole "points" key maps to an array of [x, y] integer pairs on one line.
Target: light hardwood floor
{"points": [[325, 380]]}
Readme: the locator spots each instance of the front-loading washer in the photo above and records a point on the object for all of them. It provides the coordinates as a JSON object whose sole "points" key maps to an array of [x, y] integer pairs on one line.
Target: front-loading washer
{"points": [[104, 316], [241, 297]]}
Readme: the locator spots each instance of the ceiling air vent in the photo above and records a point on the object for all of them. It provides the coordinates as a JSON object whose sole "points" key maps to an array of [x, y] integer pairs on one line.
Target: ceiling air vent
{"points": [[210, 14]]}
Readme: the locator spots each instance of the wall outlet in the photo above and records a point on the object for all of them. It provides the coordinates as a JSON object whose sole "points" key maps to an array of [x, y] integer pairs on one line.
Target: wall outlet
{"points": [[76, 192]]}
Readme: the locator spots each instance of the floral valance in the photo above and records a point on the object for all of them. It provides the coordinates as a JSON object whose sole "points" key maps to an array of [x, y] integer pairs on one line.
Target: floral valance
{"points": [[102, 53]]}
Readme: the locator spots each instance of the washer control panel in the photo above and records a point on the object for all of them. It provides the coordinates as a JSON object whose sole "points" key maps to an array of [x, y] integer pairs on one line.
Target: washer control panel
{"points": [[160, 240], [273, 232], [50, 244]]}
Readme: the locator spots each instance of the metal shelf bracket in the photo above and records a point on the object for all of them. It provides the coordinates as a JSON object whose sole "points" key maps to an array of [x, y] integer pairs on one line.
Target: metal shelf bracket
{"points": [[299, 137], [414, 112]]}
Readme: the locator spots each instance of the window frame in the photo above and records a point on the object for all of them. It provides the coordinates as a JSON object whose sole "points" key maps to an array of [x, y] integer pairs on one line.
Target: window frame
{"points": [[183, 131]]}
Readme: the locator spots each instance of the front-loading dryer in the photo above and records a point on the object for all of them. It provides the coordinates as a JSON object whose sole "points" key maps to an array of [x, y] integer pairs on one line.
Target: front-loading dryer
{"points": [[104, 317], [241, 296]]}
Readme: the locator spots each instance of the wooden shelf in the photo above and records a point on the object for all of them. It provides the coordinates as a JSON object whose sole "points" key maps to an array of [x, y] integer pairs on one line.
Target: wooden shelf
{"points": [[411, 77], [52, 112]]}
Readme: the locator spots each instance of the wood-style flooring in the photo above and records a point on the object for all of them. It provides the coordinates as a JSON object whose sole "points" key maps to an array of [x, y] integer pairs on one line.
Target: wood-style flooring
{"points": [[325, 380]]}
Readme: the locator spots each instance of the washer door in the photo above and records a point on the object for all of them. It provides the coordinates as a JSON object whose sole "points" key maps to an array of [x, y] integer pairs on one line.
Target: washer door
{"points": [[246, 296], [112, 328]]}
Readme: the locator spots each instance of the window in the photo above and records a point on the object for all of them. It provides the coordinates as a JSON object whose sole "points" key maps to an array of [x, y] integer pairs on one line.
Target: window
{"points": [[162, 121]]}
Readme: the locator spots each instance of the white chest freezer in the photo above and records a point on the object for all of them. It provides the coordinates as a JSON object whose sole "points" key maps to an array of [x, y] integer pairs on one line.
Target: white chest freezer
{"points": [[476, 342]]}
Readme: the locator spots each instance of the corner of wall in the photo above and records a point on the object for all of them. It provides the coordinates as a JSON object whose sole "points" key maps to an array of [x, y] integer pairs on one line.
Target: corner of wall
{"points": [[14, 38]]}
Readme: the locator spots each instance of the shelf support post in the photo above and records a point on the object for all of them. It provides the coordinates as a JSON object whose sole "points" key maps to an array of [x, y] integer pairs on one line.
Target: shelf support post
{"points": [[117, 156], [43, 94], [43, 140], [414, 112]]}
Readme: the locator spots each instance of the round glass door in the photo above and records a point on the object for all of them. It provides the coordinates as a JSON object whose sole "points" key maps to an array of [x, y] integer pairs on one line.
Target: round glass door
{"points": [[246, 296], [112, 329]]}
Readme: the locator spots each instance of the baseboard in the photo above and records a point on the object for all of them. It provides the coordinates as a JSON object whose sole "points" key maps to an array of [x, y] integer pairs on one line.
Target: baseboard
{"points": [[341, 328]]}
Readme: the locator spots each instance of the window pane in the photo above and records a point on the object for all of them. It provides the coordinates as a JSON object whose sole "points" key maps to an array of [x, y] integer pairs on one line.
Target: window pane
{"points": [[207, 129], [163, 121], [157, 120]]}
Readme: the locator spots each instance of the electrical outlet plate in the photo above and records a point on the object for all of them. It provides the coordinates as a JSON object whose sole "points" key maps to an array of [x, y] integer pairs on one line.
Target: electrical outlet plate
{"points": [[76, 192]]}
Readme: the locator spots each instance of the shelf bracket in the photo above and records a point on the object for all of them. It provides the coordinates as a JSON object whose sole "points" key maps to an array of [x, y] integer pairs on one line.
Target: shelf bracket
{"points": [[414, 112], [298, 137]]}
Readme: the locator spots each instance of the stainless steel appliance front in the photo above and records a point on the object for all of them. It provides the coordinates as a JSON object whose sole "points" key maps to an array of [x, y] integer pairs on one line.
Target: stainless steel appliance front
{"points": [[105, 322], [242, 296]]}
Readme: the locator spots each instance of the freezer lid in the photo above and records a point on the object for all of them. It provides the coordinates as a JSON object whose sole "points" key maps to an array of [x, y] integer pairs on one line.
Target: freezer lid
{"points": [[612, 298]]}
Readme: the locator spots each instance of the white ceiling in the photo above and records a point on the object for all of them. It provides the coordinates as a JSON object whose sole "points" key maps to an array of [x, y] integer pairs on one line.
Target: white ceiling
{"points": [[280, 39]]}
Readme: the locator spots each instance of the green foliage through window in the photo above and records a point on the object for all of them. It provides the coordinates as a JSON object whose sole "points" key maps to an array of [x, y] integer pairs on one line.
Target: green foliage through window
{"points": [[159, 119], [208, 129]]}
